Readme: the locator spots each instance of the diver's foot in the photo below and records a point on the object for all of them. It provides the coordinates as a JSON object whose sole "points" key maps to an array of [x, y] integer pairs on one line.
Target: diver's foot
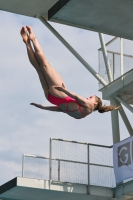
{"points": [[24, 35], [32, 36]]}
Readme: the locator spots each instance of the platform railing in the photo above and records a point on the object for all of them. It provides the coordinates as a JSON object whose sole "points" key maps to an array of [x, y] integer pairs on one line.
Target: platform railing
{"points": [[31, 166], [96, 169], [96, 163], [120, 62], [31, 171], [35, 170]]}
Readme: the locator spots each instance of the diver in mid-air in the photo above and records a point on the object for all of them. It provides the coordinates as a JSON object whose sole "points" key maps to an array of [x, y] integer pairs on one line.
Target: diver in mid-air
{"points": [[53, 86]]}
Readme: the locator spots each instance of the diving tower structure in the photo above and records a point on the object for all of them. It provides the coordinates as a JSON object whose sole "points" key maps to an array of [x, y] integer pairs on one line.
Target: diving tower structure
{"points": [[74, 171], [103, 16]]}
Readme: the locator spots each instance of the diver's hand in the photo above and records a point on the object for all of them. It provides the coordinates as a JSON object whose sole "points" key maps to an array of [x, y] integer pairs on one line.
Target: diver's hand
{"points": [[60, 88], [37, 105]]}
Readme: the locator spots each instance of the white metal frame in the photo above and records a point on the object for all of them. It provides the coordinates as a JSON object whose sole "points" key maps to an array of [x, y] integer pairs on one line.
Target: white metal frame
{"points": [[124, 103], [115, 122], [121, 52], [105, 57], [60, 160], [126, 121], [50, 162], [88, 157]]}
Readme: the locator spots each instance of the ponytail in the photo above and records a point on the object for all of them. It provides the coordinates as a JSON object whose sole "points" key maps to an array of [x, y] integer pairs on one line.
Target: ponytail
{"points": [[104, 108]]}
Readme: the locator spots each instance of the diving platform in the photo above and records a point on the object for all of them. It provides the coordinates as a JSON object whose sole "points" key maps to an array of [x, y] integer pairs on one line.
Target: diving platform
{"points": [[121, 87], [31, 189], [106, 16], [87, 175], [74, 171]]}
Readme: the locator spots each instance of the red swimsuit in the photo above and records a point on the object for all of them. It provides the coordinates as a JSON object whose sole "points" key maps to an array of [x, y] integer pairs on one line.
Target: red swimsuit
{"points": [[57, 101]]}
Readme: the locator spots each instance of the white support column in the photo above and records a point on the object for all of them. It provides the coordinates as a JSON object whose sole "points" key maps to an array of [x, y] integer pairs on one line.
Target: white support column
{"points": [[23, 165], [88, 155], [126, 121], [91, 70], [121, 52], [125, 103], [50, 162], [115, 123], [105, 57]]}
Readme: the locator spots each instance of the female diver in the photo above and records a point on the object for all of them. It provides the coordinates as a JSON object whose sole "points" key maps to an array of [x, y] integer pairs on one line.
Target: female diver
{"points": [[53, 85]]}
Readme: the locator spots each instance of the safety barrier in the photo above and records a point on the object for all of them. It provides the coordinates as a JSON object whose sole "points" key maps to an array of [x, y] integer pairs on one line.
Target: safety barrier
{"points": [[114, 58], [73, 162]]}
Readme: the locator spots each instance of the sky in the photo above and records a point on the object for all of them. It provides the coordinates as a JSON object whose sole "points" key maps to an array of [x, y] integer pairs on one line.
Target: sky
{"points": [[26, 129]]}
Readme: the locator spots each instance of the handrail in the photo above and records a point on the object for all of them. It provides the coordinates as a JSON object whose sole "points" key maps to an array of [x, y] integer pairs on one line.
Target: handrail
{"points": [[63, 160], [82, 143]]}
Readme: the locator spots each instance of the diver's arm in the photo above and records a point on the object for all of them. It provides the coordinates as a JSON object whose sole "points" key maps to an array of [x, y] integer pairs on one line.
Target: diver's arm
{"points": [[50, 108], [81, 100]]}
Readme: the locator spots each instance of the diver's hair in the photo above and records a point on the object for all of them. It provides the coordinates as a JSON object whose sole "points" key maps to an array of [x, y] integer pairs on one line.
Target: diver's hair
{"points": [[104, 108]]}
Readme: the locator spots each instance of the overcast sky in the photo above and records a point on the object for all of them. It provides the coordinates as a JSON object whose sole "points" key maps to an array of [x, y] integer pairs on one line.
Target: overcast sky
{"points": [[26, 129]]}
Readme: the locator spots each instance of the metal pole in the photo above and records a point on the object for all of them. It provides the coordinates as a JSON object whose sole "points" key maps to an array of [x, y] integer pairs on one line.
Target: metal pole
{"points": [[88, 150], [107, 65], [126, 121], [91, 70], [121, 57], [58, 170], [23, 165], [115, 123], [50, 164], [113, 66], [125, 103]]}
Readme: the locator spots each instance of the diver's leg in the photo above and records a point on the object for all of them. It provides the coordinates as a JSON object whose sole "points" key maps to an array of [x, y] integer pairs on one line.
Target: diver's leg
{"points": [[52, 77], [34, 61]]}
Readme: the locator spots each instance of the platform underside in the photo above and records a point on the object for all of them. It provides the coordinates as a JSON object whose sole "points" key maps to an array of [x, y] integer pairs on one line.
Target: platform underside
{"points": [[107, 16], [122, 87], [30, 8]]}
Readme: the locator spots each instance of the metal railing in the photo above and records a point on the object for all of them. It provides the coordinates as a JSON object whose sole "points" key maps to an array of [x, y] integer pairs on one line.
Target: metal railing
{"points": [[120, 62], [29, 172], [35, 166], [96, 168]]}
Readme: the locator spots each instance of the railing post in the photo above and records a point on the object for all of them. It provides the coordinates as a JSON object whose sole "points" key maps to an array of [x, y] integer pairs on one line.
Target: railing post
{"points": [[50, 164], [105, 56], [23, 165], [58, 170], [88, 156], [121, 57], [115, 122], [113, 66]]}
